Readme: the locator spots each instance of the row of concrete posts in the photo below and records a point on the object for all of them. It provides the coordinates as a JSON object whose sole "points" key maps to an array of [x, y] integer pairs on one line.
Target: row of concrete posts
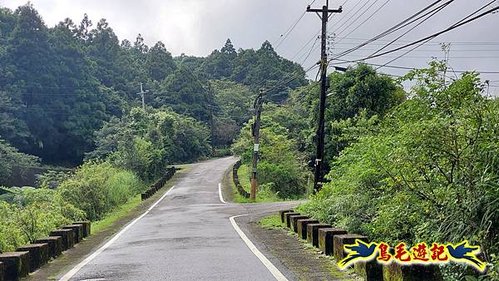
{"points": [[331, 242]]}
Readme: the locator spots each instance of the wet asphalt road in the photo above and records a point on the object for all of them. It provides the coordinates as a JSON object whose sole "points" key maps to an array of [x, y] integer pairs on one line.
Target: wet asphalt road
{"points": [[187, 236]]}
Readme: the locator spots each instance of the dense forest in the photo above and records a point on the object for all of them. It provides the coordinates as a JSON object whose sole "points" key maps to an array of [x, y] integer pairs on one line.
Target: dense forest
{"points": [[59, 85]]}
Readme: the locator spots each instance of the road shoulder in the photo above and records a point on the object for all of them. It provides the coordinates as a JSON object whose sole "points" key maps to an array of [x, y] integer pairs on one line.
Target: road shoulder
{"points": [[296, 259], [58, 267]]}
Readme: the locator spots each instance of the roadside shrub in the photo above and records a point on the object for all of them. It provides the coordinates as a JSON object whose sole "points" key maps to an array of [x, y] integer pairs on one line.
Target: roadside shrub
{"points": [[11, 235], [280, 164], [430, 173], [32, 214], [282, 179], [97, 188]]}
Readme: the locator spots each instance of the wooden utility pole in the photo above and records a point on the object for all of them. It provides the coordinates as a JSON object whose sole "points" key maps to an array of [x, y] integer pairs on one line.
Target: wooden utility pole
{"points": [[142, 94], [258, 105], [323, 14]]}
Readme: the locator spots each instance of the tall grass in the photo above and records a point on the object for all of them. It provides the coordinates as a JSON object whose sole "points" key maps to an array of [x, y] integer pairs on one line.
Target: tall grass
{"points": [[98, 188]]}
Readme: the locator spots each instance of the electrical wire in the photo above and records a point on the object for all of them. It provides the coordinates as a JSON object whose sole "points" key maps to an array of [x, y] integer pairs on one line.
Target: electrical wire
{"points": [[391, 30], [362, 23], [311, 50], [433, 13], [285, 35], [306, 44], [343, 61], [288, 32], [347, 13], [432, 36], [356, 13]]}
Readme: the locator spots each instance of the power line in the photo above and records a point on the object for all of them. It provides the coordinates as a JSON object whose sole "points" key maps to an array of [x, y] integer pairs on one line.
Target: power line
{"points": [[306, 44], [457, 25], [352, 9], [311, 50], [430, 15], [424, 42], [285, 35], [342, 61], [355, 14], [288, 32], [393, 29], [435, 43], [362, 23]]}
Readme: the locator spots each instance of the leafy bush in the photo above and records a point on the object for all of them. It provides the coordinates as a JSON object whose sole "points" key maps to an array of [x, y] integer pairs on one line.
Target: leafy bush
{"points": [[32, 214], [146, 142], [429, 172], [97, 188], [11, 235], [280, 164]]}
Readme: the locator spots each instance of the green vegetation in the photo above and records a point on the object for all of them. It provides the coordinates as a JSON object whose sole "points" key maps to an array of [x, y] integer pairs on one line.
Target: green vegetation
{"points": [[116, 215], [280, 167], [265, 193], [424, 171], [59, 85], [68, 98], [29, 214], [98, 188], [271, 222], [10, 158]]}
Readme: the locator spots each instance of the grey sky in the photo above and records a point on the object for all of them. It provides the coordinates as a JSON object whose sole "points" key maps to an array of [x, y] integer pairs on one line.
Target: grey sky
{"points": [[196, 27]]}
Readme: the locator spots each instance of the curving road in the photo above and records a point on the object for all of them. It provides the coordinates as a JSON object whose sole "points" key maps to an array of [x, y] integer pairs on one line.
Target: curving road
{"points": [[187, 235]]}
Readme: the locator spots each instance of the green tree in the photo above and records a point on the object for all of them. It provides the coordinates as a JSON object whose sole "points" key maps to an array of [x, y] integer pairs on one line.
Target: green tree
{"points": [[159, 62], [186, 94]]}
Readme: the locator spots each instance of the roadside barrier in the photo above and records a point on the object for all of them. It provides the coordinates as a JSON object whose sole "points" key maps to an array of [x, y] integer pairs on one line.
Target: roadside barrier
{"points": [[170, 172], [331, 241], [29, 258], [235, 178]]}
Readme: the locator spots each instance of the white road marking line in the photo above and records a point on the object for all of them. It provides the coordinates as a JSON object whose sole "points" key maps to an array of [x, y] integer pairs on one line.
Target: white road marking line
{"points": [[277, 274], [220, 193], [79, 266]]}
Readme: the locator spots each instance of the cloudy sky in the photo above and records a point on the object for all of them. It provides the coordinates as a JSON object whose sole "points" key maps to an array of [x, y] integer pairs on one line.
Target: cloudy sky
{"points": [[196, 27]]}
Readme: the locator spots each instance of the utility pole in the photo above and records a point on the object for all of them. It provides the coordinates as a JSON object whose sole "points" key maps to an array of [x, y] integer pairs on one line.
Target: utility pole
{"points": [[142, 94], [323, 14], [258, 105]]}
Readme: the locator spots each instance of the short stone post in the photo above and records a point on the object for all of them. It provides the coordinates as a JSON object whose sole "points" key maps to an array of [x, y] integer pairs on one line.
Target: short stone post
{"points": [[54, 245], [38, 255], [287, 218], [326, 236], [281, 213], [16, 265], [294, 221], [86, 227], [301, 226], [313, 232], [78, 231], [67, 236]]}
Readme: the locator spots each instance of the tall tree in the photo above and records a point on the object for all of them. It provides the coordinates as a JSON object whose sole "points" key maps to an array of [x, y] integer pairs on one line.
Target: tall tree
{"points": [[186, 94], [159, 62]]}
